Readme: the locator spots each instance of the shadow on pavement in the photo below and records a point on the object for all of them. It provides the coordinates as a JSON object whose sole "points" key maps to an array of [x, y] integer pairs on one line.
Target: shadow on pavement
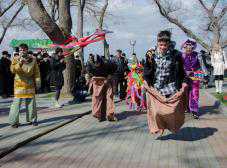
{"points": [[4, 125], [58, 118], [5, 111], [124, 115], [6, 101], [190, 134], [210, 109]]}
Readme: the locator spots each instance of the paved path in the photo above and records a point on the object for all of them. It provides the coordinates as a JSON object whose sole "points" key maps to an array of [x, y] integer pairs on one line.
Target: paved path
{"points": [[88, 143], [48, 118]]}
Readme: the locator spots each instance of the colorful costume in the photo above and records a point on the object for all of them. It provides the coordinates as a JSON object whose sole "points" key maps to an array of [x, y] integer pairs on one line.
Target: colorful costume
{"points": [[27, 76], [135, 91], [192, 67]]}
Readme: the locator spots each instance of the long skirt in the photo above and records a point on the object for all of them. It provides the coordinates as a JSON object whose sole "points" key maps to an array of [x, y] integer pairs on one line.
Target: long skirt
{"points": [[194, 96], [102, 97], [165, 113]]}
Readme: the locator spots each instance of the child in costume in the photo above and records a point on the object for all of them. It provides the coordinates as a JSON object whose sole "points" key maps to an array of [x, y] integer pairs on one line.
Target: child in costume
{"points": [[195, 75], [135, 92], [165, 86]]}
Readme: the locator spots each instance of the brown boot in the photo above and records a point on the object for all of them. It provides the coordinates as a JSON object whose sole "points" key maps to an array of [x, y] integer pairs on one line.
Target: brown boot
{"points": [[112, 118]]}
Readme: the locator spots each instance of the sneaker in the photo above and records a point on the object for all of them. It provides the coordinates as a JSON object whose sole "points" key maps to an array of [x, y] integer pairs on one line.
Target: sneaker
{"points": [[195, 115], [101, 119], [112, 118], [35, 123], [57, 105], [15, 125]]}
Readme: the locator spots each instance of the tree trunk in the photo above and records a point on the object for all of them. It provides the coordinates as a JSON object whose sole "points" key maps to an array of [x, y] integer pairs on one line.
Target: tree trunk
{"points": [[100, 22], [65, 24], [80, 28], [39, 14], [65, 20], [58, 34], [106, 49]]}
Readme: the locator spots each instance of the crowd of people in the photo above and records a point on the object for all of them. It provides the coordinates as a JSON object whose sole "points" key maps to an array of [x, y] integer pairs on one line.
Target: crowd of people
{"points": [[166, 82]]}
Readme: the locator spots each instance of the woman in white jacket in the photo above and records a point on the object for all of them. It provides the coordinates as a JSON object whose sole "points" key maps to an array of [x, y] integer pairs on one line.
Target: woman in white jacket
{"points": [[219, 63]]}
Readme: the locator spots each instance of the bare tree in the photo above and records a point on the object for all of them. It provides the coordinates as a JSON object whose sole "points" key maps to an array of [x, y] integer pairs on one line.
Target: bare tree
{"points": [[6, 22], [57, 25], [54, 5], [58, 33], [5, 27], [39, 14], [3, 11], [99, 16], [214, 26], [80, 25]]}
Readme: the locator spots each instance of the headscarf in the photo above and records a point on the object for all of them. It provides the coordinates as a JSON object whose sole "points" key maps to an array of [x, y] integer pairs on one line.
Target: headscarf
{"points": [[192, 43]]}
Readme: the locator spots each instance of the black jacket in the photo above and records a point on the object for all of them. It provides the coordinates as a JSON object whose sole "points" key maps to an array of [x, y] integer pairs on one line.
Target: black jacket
{"points": [[105, 69], [56, 76], [177, 69], [121, 67]]}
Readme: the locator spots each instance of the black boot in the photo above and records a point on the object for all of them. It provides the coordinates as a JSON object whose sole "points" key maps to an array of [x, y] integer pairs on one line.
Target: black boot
{"points": [[195, 115]]}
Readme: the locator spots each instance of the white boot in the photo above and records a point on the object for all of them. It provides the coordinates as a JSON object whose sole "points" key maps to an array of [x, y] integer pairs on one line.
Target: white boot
{"points": [[220, 86], [217, 85]]}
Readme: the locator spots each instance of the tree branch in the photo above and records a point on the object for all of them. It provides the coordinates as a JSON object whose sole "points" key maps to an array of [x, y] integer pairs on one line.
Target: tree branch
{"points": [[180, 25], [83, 2], [39, 14], [224, 44], [6, 9], [10, 22], [65, 20], [223, 12], [103, 11], [214, 5], [204, 6]]}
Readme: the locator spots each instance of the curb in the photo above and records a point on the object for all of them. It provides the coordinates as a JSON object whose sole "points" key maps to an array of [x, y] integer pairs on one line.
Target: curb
{"points": [[26, 141]]}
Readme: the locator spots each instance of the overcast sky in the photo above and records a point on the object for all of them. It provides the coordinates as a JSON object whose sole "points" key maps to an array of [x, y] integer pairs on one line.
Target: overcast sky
{"points": [[131, 20]]}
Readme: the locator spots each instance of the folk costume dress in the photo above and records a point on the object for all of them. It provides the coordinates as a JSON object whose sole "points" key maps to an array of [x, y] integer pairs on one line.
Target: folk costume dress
{"points": [[191, 67], [135, 98]]}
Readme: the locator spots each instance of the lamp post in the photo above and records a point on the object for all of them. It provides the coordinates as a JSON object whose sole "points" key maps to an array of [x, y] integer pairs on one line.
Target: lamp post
{"points": [[133, 43]]}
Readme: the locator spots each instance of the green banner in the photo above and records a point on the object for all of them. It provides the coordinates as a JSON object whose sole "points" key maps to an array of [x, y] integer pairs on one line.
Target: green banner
{"points": [[32, 43]]}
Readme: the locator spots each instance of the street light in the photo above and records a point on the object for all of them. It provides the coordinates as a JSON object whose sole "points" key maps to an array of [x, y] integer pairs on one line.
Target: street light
{"points": [[133, 43]]}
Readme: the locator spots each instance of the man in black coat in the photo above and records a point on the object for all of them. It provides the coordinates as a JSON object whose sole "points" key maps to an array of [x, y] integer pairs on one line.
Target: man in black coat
{"points": [[120, 74], [44, 66], [57, 65], [79, 82], [7, 76]]}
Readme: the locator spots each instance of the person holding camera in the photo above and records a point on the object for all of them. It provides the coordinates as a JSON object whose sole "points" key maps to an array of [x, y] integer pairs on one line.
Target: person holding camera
{"points": [[27, 78]]}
